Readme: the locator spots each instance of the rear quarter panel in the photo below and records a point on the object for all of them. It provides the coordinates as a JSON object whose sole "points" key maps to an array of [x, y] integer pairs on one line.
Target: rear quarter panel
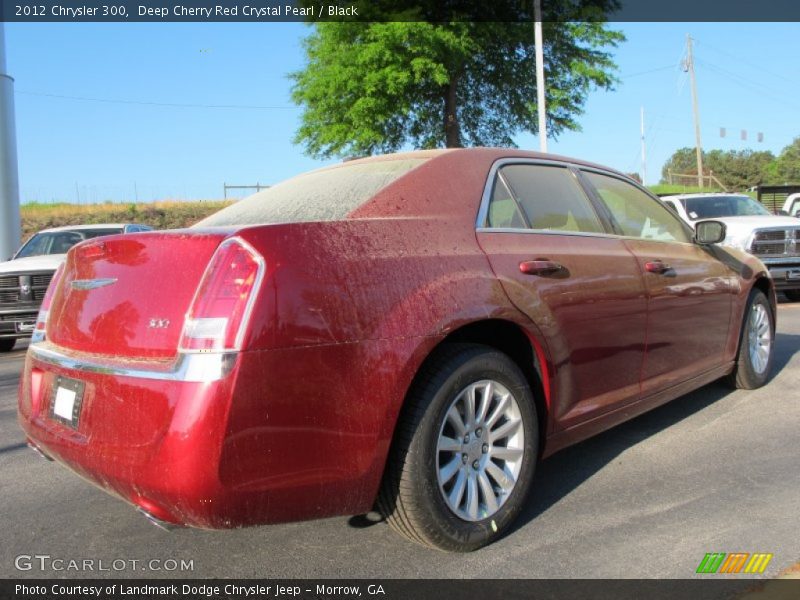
{"points": [[348, 312]]}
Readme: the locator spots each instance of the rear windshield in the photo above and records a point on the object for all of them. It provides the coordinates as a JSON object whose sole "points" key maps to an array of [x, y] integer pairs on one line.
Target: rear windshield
{"points": [[709, 207], [326, 195]]}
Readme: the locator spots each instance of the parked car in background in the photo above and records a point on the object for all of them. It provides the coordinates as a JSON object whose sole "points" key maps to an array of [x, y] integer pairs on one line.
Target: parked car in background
{"points": [[750, 227], [413, 330], [25, 277], [792, 205]]}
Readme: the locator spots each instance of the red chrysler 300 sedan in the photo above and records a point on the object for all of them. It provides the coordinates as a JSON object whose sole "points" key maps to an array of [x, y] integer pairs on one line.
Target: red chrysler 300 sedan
{"points": [[412, 332]]}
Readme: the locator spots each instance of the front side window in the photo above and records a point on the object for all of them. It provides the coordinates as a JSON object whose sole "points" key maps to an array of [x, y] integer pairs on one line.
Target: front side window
{"points": [[540, 197], [711, 207], [637, 214]]}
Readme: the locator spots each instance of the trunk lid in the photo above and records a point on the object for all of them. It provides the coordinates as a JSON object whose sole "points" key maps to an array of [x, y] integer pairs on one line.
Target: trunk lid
{"points": [[127, 295]]}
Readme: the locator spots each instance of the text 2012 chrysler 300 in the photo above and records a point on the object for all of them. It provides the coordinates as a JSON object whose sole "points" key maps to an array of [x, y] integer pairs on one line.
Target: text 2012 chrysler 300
{"points": [[411, 332]]}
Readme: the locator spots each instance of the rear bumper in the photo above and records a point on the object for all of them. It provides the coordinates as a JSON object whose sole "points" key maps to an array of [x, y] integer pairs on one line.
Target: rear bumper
{"points": [[256, 437], [150, 436], [17, 323]]}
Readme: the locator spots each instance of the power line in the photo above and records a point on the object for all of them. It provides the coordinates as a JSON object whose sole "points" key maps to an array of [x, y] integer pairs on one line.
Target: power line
{"points": [[744, 82], [164, 104], [760, 68], [656, 70]]}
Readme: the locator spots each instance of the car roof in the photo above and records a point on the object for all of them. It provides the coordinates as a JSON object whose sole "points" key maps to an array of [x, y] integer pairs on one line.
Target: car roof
{"points": [[86, 227], [478, 153], [449, 184]]}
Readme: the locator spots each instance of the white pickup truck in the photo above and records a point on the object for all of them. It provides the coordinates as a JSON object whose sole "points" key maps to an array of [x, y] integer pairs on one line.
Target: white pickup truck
{"points": [[792, 205], [750, 227]]}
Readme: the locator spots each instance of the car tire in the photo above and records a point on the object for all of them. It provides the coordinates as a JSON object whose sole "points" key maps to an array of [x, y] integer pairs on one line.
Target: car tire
{"points": [[7, 345], [756, 344], [491, 475], [792, 295]]}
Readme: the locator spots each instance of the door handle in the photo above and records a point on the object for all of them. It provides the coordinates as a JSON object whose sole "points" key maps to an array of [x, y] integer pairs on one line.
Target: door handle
{"points": [[539, 267], [657, 266]]}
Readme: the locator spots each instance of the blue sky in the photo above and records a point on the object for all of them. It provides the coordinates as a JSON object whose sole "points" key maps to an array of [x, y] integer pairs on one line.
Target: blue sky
{"points": [[69, 149]]}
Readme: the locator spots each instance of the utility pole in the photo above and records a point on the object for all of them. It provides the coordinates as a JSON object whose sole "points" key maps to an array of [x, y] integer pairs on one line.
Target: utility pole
{"points": [[695, 109], [540, 102], [644, 153], [9, 182]]}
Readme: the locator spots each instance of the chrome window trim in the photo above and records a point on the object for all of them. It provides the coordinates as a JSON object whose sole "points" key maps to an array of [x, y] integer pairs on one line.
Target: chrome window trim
{"points": [[189, 367], [545, 232], [483, 210], [578, 234]]}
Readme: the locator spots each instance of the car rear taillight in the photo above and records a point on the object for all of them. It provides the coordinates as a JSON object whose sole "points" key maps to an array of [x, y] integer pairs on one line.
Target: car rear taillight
{"points": [[218, 316], [38, 334]]}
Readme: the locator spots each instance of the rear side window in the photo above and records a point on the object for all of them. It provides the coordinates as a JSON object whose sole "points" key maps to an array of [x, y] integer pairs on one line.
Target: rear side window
{"points": [[540, 197], [324, 195]]}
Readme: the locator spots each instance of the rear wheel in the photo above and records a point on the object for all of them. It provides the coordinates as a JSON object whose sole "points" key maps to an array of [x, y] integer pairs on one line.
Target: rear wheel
{"points": [[7, 345], [756, 343], [792, 295], [465, 450]]}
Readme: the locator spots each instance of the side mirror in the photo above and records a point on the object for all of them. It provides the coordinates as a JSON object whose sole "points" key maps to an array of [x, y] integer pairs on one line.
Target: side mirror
{"points": [[709, 232], [797, 213]]}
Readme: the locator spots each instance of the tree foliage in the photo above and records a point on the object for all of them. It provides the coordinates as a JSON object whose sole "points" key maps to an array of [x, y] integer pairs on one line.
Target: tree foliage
{"points": [[787, 167], [377, 87], [739, 169]]}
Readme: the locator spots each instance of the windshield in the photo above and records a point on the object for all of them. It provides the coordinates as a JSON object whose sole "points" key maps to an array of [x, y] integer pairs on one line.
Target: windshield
{"points": [[709, 207], [59, 242], [325, 195]]}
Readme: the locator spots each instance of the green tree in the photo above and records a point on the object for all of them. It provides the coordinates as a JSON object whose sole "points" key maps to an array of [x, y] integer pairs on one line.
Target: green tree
{"points": [[376, 87], [682, 161], [787, 166], [736, 169]]}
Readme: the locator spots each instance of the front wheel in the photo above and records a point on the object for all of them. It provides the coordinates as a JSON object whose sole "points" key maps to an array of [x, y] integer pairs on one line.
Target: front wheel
{"points": [[465, 450], [756, 344], [7, 345]]}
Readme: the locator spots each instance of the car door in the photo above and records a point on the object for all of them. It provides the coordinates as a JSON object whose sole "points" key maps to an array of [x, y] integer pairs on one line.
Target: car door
{"points": [[580, 286], [689, 292]]}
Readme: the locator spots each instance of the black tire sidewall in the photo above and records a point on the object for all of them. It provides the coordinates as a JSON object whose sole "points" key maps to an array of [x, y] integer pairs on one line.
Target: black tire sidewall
{"points": [[747, 373], [466, 535]]}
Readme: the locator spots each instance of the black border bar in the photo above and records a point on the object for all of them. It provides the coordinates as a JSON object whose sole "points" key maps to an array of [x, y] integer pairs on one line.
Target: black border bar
{"points": [[709, 588], [159, 11]]}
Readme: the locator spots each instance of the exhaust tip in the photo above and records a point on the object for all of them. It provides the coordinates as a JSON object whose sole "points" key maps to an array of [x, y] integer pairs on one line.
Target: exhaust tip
{"points": [[38, 451], [160, 523]]}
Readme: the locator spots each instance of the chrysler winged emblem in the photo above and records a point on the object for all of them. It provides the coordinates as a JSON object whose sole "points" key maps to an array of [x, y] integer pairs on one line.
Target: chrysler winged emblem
{"points": [[90, 284]]}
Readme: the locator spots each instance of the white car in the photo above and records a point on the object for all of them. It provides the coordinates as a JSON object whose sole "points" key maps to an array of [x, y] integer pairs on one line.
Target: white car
{"points": [[24, 278], [750, 227]]}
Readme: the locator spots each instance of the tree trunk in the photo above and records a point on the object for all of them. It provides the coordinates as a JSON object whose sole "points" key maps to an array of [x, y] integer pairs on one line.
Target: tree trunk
{"points": [[452, 128]]}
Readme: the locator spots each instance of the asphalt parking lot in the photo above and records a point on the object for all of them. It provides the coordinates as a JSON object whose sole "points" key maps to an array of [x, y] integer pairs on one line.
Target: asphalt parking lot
{"points": [[714, 471]]}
